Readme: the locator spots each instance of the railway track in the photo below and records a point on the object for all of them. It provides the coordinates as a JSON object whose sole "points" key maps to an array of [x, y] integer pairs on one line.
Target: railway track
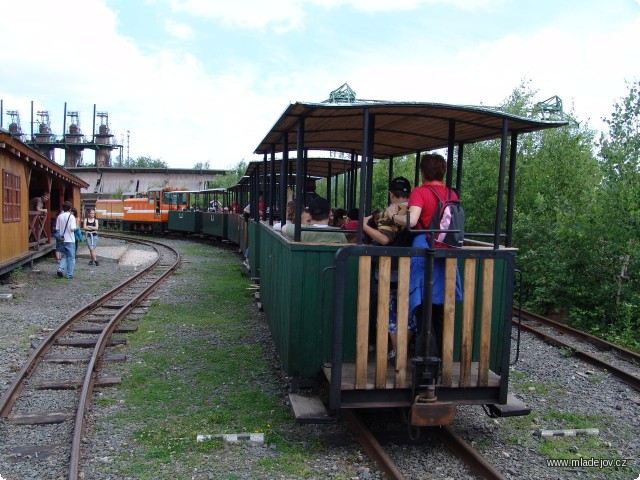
{"points": [[476, 463], [620, 362], [53, 389]]}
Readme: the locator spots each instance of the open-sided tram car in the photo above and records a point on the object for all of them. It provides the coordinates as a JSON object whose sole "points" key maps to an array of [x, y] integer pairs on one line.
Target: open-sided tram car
{"points": [[202, 209], [318, 297], [258, 177]]}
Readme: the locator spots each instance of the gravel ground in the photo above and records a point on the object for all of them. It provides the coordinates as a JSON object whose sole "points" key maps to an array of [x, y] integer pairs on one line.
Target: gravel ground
{"points": [[547, 381]]}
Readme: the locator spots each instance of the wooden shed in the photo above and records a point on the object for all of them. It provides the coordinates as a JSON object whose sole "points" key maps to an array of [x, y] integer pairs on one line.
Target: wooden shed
{"points": [[26, 174]]}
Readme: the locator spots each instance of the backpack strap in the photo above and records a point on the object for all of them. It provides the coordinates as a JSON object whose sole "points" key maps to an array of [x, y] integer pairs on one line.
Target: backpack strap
{"points": [[435, 192], [66, 225]]}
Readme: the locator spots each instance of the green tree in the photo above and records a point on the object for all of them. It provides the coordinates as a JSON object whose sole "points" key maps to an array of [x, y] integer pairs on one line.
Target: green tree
{"points": [[202, 165], [231, 178], [402, 166], [144, 162], [556, 176], [618, 219]]}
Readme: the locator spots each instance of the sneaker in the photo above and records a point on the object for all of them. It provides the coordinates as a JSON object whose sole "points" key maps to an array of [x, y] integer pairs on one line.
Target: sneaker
{"points": [[97, 263], [392, 355], [91, 262], [60, 274]]}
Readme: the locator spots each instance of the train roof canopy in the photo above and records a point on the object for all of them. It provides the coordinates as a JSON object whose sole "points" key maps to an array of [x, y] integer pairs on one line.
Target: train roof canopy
{"points": [[203, 192], [401, 128], [314, 166]]}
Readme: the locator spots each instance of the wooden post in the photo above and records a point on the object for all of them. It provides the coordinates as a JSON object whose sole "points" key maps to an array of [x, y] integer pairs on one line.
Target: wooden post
{"points": [[382, 320], [485, 323], [466, 348], [362, 328], [402, 315], [449, 320]]}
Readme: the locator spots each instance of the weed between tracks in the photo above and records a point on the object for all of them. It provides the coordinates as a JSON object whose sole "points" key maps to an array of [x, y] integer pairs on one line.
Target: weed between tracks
{"points": [[194, 368], [518, 430]]}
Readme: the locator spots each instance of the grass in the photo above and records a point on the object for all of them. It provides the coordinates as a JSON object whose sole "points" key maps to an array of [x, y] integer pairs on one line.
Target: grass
{"points": [[194, 370], [520, 431], [567, 352], [28, 335]]}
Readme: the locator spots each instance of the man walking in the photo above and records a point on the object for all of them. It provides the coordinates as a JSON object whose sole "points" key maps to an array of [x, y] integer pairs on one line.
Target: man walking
{"points": [[66, 226]]}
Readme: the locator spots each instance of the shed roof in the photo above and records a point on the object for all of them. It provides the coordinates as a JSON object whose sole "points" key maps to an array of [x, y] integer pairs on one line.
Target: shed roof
{"points": [[401, 128]]}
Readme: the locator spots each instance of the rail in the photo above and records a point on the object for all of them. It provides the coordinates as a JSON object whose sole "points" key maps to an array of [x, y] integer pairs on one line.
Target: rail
{"points": [[630, 378], [137, 289], [628, 355], [96, 357], [452, 441]]}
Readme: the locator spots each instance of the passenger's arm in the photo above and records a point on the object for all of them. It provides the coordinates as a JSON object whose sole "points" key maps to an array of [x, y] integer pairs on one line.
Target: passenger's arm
{"points": [[374, 233], [414, 215]]}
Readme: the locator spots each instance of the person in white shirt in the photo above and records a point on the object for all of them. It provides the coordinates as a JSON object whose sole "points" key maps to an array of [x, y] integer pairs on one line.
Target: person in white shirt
{"points": [[66, 226]]}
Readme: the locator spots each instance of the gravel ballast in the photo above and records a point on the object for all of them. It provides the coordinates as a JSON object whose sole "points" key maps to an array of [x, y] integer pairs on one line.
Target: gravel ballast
{"points": [[557, 387]]}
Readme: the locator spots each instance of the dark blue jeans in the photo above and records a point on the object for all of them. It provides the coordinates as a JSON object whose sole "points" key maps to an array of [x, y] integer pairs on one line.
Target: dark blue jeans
{"points": [[68, 261]]}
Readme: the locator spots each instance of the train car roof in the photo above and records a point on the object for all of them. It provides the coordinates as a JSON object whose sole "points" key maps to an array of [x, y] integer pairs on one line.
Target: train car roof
{"points": [[314, 166], [401, 128], [206, 190]]}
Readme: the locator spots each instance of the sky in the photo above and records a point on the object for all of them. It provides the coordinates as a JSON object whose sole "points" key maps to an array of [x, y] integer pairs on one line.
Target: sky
{"points": [[194, 81]]}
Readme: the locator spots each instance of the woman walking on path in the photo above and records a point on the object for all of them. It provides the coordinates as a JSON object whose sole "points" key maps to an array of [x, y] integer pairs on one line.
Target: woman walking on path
{"points": [[90, 226]]}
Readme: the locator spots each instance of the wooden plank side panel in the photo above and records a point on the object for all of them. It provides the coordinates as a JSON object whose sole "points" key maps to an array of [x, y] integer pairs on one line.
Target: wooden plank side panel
{"points": [[308, 329], [15, 235], [276, 298], [466, 348], [362, 322], [382, 320], [402, 315], [449, 320], [485, 323]]}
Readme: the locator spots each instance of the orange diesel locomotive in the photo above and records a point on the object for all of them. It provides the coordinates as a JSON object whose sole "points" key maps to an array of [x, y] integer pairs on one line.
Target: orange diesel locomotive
{"points": [[146, 212], [109, 213]]}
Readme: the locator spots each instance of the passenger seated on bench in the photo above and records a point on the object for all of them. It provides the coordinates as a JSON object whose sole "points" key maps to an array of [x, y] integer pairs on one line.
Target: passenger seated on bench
{"points": [[374, 220], [352, 224], [390, 233], [289, 217], [338, 217], [319, 212]]}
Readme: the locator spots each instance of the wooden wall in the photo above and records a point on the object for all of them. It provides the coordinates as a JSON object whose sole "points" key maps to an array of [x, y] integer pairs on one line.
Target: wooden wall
{"points": [[14, 236]]}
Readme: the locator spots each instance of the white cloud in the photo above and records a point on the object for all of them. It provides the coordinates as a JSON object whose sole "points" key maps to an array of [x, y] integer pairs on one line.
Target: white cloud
{"points": [[283, 15], [387, 6], [582, 69], [178, 110], [179, 30]]}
